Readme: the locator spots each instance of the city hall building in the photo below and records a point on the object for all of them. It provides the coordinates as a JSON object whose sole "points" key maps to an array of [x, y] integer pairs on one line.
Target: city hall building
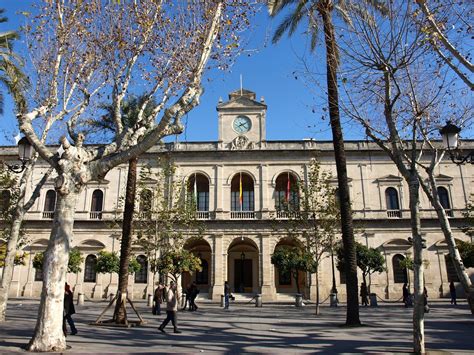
{"points": [[240, 235]]}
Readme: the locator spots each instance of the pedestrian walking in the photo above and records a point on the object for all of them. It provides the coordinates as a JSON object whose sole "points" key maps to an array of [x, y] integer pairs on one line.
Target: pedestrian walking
{"points": [[452, 291], [226, 295], [194, 291], [172, 297], [364, 294], [158, 299], [186, 294], [69, 310], [406, 295]]}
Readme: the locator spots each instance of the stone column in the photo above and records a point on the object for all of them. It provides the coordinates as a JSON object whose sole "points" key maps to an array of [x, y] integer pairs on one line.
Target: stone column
{"points": [[218, 191], [266, 272], [264, 198], [218, 260]]}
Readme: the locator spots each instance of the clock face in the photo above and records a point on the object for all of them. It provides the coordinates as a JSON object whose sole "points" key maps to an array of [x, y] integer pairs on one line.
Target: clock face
{"points": [[242, 124]]}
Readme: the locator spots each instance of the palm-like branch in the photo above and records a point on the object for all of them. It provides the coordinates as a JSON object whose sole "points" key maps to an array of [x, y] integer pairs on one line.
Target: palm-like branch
{"points": [[11, 75]]}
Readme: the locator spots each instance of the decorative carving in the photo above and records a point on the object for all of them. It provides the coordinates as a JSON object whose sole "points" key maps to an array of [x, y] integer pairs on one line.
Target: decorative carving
{"points": [[241, 143]]}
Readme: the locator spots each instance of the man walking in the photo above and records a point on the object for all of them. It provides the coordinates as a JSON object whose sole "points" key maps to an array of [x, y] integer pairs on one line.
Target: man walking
{"points": [[172, 297], [226, 295]]}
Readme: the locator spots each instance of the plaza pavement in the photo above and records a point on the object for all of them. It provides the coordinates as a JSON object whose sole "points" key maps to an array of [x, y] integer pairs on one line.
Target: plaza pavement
{"points": [[244, 328]]}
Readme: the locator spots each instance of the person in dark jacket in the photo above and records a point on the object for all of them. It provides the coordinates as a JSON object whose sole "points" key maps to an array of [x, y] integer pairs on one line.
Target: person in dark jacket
{"points": [[158, 299], [406, 294], [452, 291], [364, 294], [69, 310], [194, 291], [226, 295]]}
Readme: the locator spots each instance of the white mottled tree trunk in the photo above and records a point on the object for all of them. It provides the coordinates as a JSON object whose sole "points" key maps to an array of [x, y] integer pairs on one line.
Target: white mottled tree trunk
{"points": [[450, 241], [48, 335], [419, 307], [9, 265]]}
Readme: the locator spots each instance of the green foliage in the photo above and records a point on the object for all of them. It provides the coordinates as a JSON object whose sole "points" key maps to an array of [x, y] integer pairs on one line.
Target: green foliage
{"points": [[171, 220], [134, 266], [466, 249], [177, 261], [75, 261], [318, 219], [292, 260], [468, 227], [407, 263], [109, 262], [9, 196], [20, 258], [369, 260], [73, 266]]}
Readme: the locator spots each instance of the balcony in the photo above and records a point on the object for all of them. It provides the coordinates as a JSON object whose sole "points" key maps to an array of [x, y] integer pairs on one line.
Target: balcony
{"points": [[288, 214], [203, 215], [48, 214], [394, 213], [95, 215], [242, 215]]}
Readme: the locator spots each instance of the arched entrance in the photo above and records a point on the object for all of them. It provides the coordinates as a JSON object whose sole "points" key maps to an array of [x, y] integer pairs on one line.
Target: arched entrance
{"points": [[285, 282], [242, 262], [202, 250]]}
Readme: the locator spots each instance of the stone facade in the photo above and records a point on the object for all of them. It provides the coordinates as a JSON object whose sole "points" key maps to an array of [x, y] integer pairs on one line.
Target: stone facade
{"points": [[240, 237]]}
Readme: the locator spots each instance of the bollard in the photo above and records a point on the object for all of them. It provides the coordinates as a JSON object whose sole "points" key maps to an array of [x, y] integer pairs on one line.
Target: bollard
{"points": [[333, 299], [258, 300], [222, 301], [80, 299], [299, 300], [373, 300], [111, 297], [150, 300]]}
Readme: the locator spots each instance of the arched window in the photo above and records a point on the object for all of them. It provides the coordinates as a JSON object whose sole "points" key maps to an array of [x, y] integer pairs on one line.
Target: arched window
{"points": [[97, 204], [49, 204], [242, 194], [146, 197], [198, 191], [4, 200], [443, 196], [284, 278], [286, 191], [450, 269], [141, 277], [90, 273], [393, 204], [342, 277], [202, 277], [400, 275]]}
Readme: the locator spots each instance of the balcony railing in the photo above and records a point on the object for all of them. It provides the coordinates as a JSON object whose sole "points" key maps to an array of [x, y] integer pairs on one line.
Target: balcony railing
{"points": [[288, 214], [394, 214], [203, 215], [48, 214], [95, 215], [242, 214]]}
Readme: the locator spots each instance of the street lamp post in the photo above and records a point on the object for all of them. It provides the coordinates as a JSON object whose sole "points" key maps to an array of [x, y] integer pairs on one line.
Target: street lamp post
{"points": [[242, 258], [24, 155], [450, 134]]}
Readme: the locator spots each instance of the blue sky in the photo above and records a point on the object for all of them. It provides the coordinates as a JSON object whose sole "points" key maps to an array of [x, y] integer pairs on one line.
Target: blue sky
{"points": [[294, 110]]}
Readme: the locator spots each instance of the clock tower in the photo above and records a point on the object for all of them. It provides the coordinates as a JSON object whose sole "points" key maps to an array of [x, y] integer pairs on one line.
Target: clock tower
{"points": [[241, 121]]}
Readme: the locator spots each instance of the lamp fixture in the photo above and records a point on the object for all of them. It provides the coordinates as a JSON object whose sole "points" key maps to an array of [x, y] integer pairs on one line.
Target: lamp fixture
{"points": [[450, 134], [24, 155]]}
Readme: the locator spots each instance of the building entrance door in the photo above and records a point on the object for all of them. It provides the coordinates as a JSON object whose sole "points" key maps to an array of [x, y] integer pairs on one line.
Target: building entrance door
{"points": [[243, 276]]}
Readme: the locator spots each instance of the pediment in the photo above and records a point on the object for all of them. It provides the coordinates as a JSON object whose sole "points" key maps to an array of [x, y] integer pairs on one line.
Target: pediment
{"points": [[38, 245], [397, 244], [91, 244], [442, 177], [241, 102], [389, 178]]}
